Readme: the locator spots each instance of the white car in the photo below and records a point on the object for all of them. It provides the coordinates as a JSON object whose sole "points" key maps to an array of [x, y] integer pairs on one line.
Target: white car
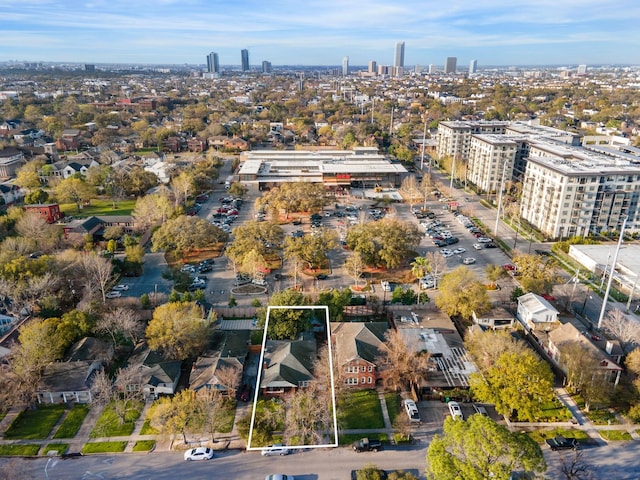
{"points": [[484, 240], [468, 260], [459, 250], [455, 410], [446, 253], [279, 476], [121, 288], [386, 286], [275, 449], [113, 294], [477, 246], [412, 410], [200, 453]]}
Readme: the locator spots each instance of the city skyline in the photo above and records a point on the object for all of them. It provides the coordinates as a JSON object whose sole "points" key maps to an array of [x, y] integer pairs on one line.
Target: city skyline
{"points": [[321, 33]]}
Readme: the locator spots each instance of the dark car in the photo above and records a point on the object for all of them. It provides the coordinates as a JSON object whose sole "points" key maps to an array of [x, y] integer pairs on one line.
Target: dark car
{"points": [[245, 393], [561, 443], [452, 240], [322, 276], [366, 445], [490, 245]]}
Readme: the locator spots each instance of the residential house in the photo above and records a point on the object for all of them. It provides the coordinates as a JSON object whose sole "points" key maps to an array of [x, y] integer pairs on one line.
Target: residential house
{"points": [[91, 348], [10, 193], [288, 365], [196, 144], [6, 323], [609, 357], [172, 144], [497, 318], [70, 140], [95, 226], [535, 313], [236, 143], [10, 160], [64, 382], [50, 212], [156, 375], [357, 347]]}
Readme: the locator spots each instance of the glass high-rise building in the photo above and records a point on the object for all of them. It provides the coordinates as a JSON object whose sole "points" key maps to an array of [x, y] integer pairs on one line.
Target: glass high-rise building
{"points": [[345, 66], [450, 65], [244, 53], [398, 59], [213, 65], [473, 66]]}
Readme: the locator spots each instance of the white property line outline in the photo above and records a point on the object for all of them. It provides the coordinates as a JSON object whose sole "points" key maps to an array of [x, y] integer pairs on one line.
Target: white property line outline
{"points": [[258, 379]]}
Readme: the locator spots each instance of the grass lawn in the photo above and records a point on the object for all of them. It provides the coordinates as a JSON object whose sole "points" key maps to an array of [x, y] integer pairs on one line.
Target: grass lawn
{"points": [[540, 435], [229, 414], [104, 447], [613, 435], [602, 417], [554, 411], [108, 425], [99, 206], [72, 422], [144, 445], [147, 429], [19, 450], [360, 410], [34, 424], [392, 400], [56, 447]]}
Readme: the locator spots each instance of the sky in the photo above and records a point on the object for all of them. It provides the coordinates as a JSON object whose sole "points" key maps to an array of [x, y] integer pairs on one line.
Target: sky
{"points": [[322, 32]]}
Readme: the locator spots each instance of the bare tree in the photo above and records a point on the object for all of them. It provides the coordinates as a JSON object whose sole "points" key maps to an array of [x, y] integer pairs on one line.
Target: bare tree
{"points": [[229, 377], [212, 407], [98, 273], [354, 266], [575, 467], [32, 225], [437, 264], [486, 347], [624, 328], [127, 391], [123, 322], [403, 363]]}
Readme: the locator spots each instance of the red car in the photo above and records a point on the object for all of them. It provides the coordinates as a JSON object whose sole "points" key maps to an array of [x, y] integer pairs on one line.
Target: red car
{"points": [[509, 267], [549, 298]]}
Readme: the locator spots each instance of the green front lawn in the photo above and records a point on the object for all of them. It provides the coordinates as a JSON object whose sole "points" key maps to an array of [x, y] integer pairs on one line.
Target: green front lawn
{"points": [[349, 438], [34, 424], [109, 424], [229, 415], [26, 450], [99, 207], [72, 422], [147, 429], [541, 435], [104, 447], [56, 447], [392, 400], [602, 417], [613, 435], [554, 411], [360, 410], [144, 445]]}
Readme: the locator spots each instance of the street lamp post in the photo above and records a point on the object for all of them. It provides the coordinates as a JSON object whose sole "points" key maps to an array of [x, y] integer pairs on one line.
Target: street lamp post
{"points": [[611, 274]]}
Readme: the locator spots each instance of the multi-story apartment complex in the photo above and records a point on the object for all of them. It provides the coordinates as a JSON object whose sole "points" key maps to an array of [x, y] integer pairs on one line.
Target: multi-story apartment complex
{"points": [[567, 189], [213, 64]]}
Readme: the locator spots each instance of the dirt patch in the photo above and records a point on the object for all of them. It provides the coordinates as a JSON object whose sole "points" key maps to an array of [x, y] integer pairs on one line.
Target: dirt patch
{"points": [[249, 289]]}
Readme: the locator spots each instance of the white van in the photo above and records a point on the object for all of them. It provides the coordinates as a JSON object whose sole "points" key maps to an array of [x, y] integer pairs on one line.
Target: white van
{"points": [[412, 410]]}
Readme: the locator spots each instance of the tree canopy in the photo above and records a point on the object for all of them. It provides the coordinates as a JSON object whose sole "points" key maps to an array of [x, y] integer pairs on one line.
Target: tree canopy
{"points": [[287, 323], [184, 234], [478, 449], [462, 293]]}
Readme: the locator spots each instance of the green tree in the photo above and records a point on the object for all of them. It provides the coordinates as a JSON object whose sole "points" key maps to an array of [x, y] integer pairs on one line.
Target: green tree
{"points": [[294, 197], [178, 330], [151, 210], [311, 249], [285, 323], [584, 373], [478, 449], [184, 234], [536, 274], [74, 190], [404, 296], [263, 237], [518, 384], [177, 414], [36, 196], [336, 300], [462, 293], [28, 176]]}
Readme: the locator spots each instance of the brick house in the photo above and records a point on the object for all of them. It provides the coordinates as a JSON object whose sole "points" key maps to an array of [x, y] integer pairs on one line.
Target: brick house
{"points": [[357, 347], [50, 212]]}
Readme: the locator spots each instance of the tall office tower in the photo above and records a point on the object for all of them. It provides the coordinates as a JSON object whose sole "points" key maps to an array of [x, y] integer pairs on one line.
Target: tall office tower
{"points": [[432, 68], [473, 66], [345, 66], [266, 67], [373, 67], [383, 69], [398, 59], [450, 65], [417, 69], [213, 65], [244, 53], [582, 70]]}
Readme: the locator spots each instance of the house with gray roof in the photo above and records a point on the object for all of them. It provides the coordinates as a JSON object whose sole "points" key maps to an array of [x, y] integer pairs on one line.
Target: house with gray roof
{"points": [[64, 382], [287, 365], [157, 375], [535, 313]]}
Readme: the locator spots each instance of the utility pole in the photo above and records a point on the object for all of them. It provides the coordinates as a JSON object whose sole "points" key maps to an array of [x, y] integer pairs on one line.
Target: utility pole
{"points": [[611, 274]]}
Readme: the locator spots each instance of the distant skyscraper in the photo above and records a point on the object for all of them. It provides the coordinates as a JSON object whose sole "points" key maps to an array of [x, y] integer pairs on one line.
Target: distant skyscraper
{"points": [[398, 59], [450, 65], [89, 67], [373, 67], [582, 70], [432, 68], [345, 66], [213, 65], [266, 67], [473, 66], [244, 53]]}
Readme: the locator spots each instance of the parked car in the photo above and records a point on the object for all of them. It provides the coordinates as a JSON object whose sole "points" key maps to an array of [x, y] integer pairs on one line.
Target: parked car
{"points": [[279, 476], [113, 294], [480, 410], [561, 443], [490, 245], [477, 246], [468, 260], [322, 276], [459, 250], [455, 410], [412, 410], [120, 288], [366, 445], [386, 286], [245, 393], [484, 240], [275, 449], [200, 453]]}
